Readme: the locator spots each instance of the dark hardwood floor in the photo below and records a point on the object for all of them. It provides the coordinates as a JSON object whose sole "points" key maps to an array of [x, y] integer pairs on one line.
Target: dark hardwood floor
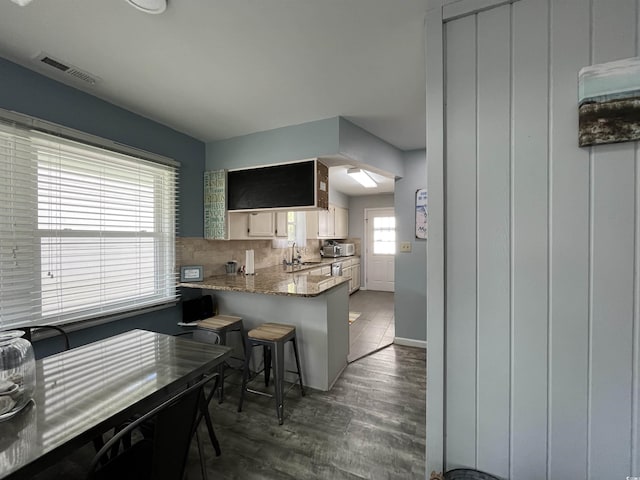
{"points": [[371, 425]]}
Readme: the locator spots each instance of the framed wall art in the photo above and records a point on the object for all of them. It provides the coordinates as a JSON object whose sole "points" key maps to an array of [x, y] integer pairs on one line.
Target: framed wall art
{"points": [[191, 273], [609, 102], [421, 213]]}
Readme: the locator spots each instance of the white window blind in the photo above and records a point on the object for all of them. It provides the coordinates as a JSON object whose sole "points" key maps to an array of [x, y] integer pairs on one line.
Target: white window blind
{"points": [[85, 232]]}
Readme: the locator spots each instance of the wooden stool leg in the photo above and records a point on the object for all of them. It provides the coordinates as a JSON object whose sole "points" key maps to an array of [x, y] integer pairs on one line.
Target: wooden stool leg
{"points": [[295, 351], [245, 374], [278, 372]]}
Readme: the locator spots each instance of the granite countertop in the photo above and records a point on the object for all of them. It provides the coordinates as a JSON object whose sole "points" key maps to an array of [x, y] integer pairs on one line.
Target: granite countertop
{"points": [[282, 283], [309, 265], [288, 280]]}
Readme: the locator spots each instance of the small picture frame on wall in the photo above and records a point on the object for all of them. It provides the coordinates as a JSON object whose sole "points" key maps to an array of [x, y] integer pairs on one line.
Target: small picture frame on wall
{"points": [[609, 102], [191, 273], [421, 213]]}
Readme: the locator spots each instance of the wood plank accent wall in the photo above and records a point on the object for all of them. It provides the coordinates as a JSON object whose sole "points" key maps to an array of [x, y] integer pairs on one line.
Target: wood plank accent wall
{"points": [[542, 248]]}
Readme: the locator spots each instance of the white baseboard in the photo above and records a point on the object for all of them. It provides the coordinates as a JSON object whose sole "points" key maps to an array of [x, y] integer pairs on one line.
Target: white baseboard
{"points": [[410, 342]]}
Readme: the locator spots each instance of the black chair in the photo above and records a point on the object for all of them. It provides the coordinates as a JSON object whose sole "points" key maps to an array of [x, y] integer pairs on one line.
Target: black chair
{"points": [[204, 407], [198, 309], [468, 474], [162, 455]]}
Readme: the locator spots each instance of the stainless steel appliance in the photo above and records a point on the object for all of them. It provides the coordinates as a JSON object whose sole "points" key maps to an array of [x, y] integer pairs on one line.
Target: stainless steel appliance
{"points": [[331, 251], [336, 269], [347, 249]]}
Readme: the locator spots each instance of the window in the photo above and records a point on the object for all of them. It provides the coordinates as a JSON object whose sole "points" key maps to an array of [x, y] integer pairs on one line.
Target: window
{"points": [[85, 232], [291, 227], [297, 229], [384, 235]]}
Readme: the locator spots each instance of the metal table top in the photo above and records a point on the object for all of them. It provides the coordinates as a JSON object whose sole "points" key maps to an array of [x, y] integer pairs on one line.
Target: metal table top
{"points": [[85, 391]]}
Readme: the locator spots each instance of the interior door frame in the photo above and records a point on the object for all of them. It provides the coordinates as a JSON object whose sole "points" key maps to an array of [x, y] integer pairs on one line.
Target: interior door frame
{"points": [[435, 134], [366, 243], [438, 13]]}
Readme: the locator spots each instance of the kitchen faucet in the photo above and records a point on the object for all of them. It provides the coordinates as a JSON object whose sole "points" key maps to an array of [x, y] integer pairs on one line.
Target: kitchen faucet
{"points": [[295, 259]]}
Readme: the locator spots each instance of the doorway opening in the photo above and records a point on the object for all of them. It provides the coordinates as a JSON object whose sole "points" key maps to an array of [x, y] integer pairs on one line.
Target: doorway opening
{"points": [[374, 327]]}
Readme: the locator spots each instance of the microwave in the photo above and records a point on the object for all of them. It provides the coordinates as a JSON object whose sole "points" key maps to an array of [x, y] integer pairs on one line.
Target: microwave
{"points": [[347, 249]]}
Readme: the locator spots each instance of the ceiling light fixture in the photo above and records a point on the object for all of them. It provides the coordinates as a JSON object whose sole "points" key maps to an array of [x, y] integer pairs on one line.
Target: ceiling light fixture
{"points": [[362, 177], [22, 3], [148, 6]]}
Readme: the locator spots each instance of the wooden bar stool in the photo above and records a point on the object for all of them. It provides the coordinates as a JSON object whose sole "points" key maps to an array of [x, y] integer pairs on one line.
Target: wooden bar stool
{"points": [[221, 325], [272, 337]]}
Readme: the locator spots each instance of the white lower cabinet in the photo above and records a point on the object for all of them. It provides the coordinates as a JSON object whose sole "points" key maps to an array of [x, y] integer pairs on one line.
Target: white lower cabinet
{"points": [[352, 269], [355, 276], [346, 272]]}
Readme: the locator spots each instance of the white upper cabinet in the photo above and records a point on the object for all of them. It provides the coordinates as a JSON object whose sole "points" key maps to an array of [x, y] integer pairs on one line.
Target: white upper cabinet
{"points": [[261, 224], [245, 225], [281, 230], [330, 223], [341, 222]]}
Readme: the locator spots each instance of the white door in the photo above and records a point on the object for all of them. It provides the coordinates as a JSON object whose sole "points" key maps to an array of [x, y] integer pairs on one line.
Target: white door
{"points": [[381, 249]]}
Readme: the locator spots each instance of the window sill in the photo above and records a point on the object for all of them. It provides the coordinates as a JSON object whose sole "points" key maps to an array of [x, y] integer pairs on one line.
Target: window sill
{"points": [[94, 322]]}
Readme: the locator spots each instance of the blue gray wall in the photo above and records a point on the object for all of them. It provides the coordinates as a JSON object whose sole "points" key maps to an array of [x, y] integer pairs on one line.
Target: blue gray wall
{"points": [[295, 142], [368, 149], [410, 268], [27, 92], [357, 206], [331, 136]]}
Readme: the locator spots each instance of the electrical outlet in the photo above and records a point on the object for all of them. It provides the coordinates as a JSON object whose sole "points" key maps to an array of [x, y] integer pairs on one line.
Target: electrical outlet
{"points": [[405, 247]]}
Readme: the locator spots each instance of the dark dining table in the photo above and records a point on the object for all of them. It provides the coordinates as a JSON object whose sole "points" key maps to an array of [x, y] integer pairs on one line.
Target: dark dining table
{"points": [[84, 392]]}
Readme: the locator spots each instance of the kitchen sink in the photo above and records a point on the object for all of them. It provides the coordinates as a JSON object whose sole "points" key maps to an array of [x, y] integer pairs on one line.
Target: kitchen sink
{"points": [[310, 263]]}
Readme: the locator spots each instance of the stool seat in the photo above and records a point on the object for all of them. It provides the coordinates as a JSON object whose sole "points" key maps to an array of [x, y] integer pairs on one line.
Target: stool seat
{"points": [[272, 337], [218, 321], [221, 325], [273, 332]]}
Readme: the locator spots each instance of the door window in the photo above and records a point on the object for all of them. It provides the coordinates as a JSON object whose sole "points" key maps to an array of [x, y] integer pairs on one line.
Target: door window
{"points": [[384, 235]]}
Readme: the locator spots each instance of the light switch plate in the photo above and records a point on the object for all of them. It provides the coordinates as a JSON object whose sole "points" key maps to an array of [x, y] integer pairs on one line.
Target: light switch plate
{"points": [[405, 246]]}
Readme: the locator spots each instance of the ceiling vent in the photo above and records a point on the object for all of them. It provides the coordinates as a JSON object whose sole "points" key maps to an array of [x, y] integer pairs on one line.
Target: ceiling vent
{"points": [[49, 63]]}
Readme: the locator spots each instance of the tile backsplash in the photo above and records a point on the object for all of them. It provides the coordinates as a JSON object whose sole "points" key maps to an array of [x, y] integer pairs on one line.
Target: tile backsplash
{"points": [[214, 254]]}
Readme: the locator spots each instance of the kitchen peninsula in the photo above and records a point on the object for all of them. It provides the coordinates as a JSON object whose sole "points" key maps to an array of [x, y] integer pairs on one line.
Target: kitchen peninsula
{"points": [[317, 305]]}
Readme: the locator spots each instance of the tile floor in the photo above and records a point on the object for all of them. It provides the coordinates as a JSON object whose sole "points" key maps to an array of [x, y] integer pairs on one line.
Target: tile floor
{"points": [[376, 327]]}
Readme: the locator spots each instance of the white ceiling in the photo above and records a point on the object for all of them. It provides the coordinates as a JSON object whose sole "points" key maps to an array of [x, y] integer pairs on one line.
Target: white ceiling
{"points": [[216, 69]]}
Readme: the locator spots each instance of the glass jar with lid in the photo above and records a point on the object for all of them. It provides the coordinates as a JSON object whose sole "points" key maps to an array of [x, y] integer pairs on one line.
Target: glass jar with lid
{"points": [[17, 373]]}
